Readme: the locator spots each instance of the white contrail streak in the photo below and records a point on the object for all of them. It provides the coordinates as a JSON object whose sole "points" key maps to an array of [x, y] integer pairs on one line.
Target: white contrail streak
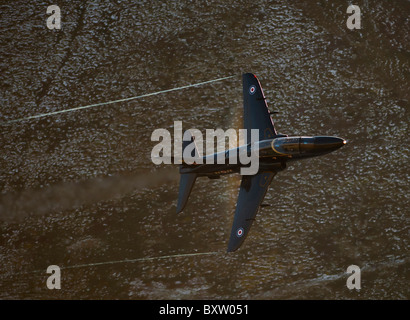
{"points": [[115, 101], [104, 263], [138, 260]]}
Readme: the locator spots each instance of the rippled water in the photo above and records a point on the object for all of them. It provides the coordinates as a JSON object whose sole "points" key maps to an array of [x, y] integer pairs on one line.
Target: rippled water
{"points": [[79, 188]]}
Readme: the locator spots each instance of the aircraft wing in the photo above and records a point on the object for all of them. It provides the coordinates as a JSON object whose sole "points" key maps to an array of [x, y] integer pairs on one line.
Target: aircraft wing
{"points": [[251, 194], [255, 110]]}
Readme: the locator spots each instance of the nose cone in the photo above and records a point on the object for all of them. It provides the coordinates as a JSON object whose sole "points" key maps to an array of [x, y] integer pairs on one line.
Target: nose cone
{"points": [[328, 144]]}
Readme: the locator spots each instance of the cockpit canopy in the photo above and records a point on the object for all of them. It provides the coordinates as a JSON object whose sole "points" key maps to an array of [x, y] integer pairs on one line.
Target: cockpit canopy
{"points": [[284, 146]]}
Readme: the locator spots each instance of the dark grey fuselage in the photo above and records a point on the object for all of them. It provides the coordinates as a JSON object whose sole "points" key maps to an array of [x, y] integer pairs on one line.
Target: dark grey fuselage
{"points": [[273, 154]]}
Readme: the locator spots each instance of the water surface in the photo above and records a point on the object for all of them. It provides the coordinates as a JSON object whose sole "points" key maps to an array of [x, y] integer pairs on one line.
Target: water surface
{"points": [[79, 188]]}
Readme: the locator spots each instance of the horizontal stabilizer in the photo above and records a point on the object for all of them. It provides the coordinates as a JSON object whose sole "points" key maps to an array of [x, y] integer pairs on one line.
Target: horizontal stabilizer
{"points": [[186, 183]]}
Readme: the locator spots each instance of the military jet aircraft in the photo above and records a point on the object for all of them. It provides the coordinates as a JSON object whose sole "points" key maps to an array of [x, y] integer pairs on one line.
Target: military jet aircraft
{"points": [[275, 150]]}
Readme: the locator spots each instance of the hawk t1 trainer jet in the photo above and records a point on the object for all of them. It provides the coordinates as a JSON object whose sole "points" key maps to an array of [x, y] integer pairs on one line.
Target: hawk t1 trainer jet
{"points": [[275, 150]]}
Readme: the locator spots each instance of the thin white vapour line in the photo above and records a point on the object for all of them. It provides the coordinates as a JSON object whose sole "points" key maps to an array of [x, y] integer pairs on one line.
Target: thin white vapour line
{"points": [[96, 264], [115, 101], [139, 260]]}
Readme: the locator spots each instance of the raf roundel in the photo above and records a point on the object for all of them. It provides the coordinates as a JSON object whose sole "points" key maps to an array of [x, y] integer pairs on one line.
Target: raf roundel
{"points": [[239, 232], [252, 89]]}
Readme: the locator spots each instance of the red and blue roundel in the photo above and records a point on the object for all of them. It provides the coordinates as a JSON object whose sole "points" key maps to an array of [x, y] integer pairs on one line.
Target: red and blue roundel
{"points": [[239, 232], [252, 89]]}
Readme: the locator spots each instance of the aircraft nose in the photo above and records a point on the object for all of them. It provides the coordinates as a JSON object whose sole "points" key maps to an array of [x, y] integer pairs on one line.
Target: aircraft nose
{"points": [[329, 141], [327, 144]]}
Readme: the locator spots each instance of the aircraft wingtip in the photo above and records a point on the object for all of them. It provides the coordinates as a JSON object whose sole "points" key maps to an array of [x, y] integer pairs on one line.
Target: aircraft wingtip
{"points": [[232, 248]]}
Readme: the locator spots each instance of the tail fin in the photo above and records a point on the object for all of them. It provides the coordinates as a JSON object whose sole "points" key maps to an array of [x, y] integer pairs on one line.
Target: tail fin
{"points": [[187, 180], [186, 183]]}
